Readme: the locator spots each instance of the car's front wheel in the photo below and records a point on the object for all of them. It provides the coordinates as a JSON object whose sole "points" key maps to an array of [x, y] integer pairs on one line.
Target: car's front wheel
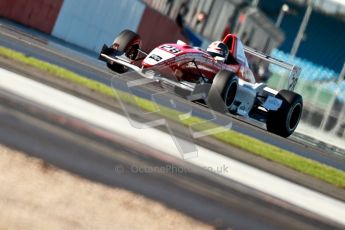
{"points": [[223, 91], [127, 42]]}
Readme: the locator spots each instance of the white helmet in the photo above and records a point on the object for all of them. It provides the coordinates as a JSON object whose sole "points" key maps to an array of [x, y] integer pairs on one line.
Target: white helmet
{"points": [[218, 49]]}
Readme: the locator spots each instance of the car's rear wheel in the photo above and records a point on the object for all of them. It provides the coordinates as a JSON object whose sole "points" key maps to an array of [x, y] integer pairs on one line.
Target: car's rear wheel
{"points": [[127, 42], [223, 91], [284, 121]]}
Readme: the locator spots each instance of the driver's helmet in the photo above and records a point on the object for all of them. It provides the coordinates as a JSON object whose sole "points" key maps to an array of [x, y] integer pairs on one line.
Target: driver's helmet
{"points": [[218, 49]]}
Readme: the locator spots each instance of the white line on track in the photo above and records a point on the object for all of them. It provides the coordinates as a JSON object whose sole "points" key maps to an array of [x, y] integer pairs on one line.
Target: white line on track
{"points": [[238, 171]]}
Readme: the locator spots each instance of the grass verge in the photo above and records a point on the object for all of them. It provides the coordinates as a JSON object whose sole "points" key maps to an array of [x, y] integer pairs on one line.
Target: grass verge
{"points": [[249, 144]]}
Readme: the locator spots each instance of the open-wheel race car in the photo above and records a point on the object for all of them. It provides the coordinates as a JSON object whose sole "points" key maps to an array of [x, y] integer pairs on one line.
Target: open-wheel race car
{"points": [[220, 76]]}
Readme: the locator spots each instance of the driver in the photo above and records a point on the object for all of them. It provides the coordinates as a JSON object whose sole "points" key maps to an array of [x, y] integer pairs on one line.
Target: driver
{"points": [[218, 49]]}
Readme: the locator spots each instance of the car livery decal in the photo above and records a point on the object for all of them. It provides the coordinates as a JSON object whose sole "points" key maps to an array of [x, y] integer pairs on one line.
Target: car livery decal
{"points": [[170, 49], [157, 56]]}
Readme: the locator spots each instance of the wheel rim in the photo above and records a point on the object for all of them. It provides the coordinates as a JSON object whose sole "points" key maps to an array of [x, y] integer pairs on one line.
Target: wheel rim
{"points": [[132, 52]]}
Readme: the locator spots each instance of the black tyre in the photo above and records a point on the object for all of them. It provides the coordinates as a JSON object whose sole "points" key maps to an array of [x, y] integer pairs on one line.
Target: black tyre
{"points": [[223, 91], [126, 42], [284, 121]]}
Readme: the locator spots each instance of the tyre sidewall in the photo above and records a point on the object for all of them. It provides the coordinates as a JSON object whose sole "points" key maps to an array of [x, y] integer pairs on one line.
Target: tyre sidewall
{"points": [[279, 121], [126, 39], [220, 88]]}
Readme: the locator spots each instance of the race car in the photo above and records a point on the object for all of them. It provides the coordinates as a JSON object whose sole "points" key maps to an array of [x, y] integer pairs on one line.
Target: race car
{"points": [[219, 76]]}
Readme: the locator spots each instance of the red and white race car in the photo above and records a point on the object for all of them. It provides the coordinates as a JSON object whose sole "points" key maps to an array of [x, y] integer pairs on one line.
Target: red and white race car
{"points": [[220, 76]]}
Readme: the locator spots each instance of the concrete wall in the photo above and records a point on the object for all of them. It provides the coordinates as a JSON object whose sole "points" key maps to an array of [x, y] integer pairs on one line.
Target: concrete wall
{"points": [[92, 23], [156, 28], [38, 14]]}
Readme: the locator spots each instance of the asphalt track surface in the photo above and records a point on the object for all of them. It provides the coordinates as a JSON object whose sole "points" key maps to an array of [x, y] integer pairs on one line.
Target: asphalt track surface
{"points": [[76, 146], [85, 63]]}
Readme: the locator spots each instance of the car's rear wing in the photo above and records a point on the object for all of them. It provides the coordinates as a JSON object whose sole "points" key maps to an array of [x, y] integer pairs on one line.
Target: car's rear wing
{"points": [[294, 70]]}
